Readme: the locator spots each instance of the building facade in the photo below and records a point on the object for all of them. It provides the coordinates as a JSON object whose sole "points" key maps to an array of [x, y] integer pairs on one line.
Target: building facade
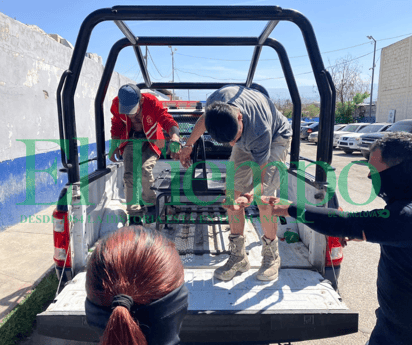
{"points": [[395, 82], [32, 63]]}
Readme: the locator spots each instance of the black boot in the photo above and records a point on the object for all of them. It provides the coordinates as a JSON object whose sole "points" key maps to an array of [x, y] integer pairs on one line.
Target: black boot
{"points": [[135, 220], [150, 216]]}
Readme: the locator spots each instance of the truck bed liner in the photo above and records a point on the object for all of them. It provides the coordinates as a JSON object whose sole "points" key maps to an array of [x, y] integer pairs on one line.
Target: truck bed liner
{"points": [[203, 245], [300, 296]]}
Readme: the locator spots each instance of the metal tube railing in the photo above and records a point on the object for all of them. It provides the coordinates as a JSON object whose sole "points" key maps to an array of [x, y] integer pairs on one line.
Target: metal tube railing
{"points": [[201, 13], [284, 60]]}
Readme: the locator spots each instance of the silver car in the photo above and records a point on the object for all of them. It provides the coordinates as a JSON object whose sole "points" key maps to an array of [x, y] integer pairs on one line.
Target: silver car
{"points": [[350, 142], [313, 137], [348, 129]]}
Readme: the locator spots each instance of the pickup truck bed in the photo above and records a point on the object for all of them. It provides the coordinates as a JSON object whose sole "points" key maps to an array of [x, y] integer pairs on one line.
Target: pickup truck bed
{"points": [[300, 305]]}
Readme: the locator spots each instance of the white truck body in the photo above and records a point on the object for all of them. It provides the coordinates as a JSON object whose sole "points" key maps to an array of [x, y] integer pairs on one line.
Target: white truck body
{"points": [[300, 305]]}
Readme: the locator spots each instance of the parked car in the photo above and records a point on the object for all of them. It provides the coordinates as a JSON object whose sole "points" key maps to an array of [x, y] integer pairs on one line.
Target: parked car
{"points": [[313, 137], [348, 129], [350, 142], [369, 139], [306, 123], [305, 131], [302, 123]]}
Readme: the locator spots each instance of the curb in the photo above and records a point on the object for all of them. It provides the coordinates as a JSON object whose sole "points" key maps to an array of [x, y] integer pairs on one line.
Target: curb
{"points": [[19, 322]]}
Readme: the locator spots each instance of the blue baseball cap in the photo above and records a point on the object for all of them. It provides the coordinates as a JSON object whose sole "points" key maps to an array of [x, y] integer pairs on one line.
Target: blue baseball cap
{"points": [[129, 98]]}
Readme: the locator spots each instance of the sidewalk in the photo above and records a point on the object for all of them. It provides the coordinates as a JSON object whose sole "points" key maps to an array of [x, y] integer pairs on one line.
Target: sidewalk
{"points": [[26, 256]]}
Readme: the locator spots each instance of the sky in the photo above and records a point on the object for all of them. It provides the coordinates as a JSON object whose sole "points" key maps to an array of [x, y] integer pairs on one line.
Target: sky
{"points": [[340, 27]]}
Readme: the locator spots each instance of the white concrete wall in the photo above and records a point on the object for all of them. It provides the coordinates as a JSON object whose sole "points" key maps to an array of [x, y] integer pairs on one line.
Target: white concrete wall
{"points": [[395, 81], [31, 63]]}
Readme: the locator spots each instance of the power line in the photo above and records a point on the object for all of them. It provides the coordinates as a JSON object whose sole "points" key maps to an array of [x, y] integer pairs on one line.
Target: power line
{"points": [[200, 57], [150, 55], [136, 75], [209, 58], [153, 77], [294, 57], [378, 59], [178, 76], [359, 57], [206, 76], [129, 68], [291, 57], [390, 38]]}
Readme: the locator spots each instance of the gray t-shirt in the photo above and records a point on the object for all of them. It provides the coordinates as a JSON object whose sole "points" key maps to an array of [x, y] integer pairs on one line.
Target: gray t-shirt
{"points": [[262, 122]]}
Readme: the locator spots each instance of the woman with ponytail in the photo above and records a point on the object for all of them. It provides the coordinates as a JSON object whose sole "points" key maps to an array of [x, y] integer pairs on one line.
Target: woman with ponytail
{"points": [[135, 289]]}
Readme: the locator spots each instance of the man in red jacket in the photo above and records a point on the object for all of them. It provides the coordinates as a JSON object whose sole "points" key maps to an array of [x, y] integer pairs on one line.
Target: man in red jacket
{"points": [[140, 117]]}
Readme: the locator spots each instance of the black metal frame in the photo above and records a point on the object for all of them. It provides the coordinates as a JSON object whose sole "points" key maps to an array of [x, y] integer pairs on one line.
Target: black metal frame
{"points": [[199, 186], [273, 14]]}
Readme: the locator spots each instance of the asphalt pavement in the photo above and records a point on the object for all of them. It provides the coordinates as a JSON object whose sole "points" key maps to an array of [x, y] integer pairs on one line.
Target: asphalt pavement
{"points": [[357, 282]]}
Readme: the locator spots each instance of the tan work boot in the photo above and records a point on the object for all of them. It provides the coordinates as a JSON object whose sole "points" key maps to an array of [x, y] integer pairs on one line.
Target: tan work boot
{"points": [[270, 261], [237, 262]]}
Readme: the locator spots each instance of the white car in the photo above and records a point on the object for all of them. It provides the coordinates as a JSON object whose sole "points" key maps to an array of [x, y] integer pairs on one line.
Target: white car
{"points": [[348, 129], [350, 142], [313, 137]]}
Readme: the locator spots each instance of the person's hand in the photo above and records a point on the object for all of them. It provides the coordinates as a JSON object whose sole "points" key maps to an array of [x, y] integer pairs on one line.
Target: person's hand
{"points": [[160, 143], [115, 157], [185, 156], [273, 200], [279, 206], [344, 241], [175, 149], [243, 201]]}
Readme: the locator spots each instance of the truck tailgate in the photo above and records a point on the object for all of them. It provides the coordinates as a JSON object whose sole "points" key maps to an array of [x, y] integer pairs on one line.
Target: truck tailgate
{"points": [[300, 305]]}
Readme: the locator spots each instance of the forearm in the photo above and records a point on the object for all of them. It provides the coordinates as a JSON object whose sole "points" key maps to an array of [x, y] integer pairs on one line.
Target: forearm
{"points": [[197, 132], [330, 222], [114, 148], [259, 185], [174, 133]]}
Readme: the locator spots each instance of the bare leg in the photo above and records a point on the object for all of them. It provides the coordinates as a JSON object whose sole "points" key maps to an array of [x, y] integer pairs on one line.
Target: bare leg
{"points": [[238, 261], [236, 219], [269, 222]]}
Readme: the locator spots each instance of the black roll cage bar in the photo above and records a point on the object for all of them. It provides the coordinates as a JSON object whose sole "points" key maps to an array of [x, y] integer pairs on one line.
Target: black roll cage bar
{"points": [[118, 14]]}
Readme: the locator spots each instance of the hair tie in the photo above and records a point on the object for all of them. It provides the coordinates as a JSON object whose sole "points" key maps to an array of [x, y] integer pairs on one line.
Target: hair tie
{"points": [[122, 301]]}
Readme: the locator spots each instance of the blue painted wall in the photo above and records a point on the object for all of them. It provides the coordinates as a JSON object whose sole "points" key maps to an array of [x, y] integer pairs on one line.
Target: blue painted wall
{"points": [[16, 204]]}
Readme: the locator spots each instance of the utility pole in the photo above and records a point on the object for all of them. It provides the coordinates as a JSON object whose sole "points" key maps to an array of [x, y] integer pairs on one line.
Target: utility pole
{"points": [[373, 70], [173, 69]]}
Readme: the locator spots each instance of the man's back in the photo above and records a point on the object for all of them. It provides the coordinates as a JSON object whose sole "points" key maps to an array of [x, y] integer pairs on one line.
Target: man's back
{"points": [[261, 119]]}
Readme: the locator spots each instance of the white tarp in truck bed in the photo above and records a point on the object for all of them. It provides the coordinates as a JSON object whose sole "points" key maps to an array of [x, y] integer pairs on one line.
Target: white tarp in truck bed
{"points": [[299, 306]]}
